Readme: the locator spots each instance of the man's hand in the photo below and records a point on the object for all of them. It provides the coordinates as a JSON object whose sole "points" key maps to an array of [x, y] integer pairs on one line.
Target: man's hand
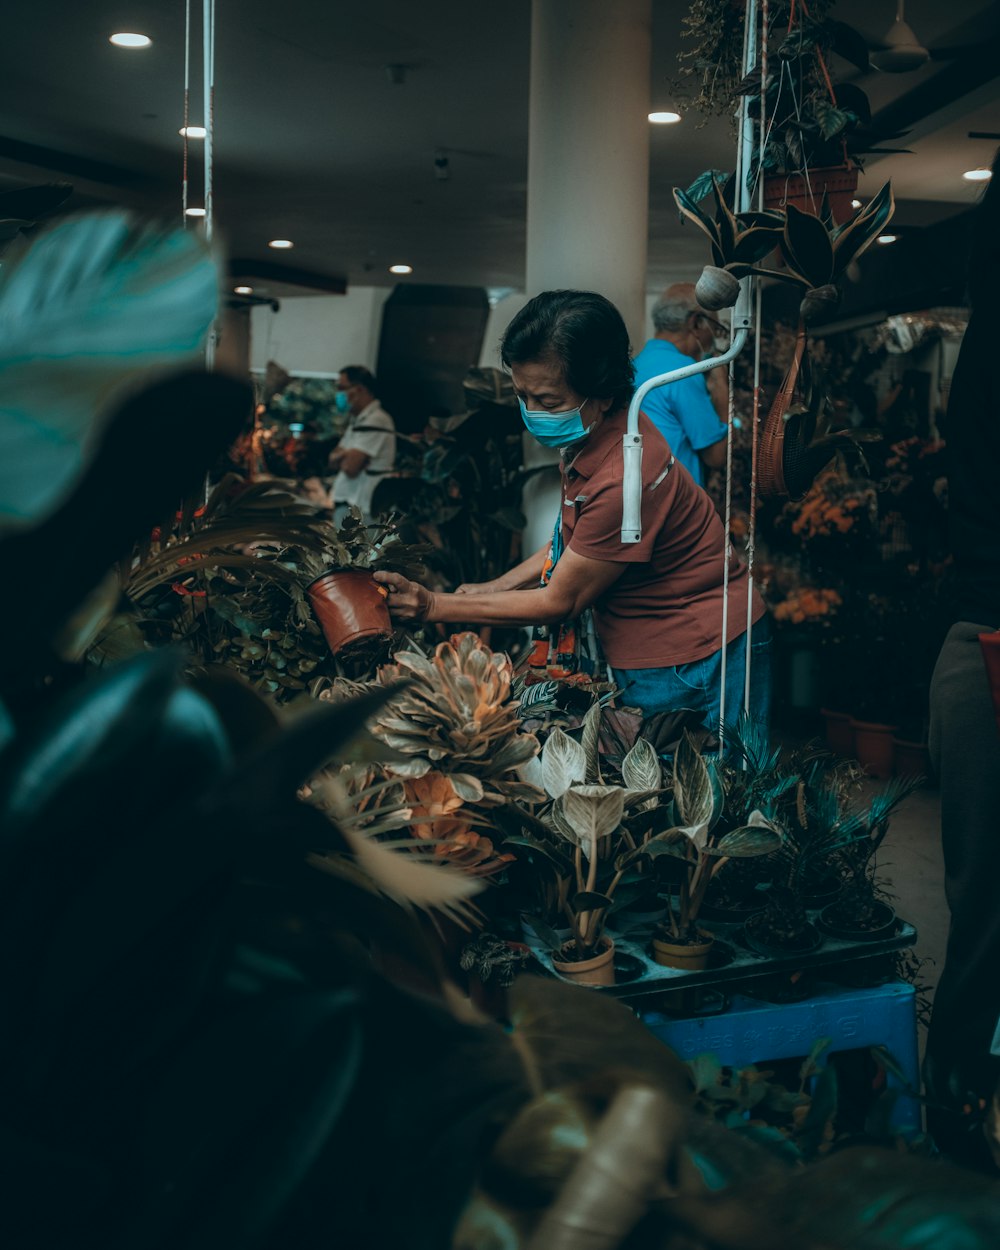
{"points": [[476, 588], [408, 601]]}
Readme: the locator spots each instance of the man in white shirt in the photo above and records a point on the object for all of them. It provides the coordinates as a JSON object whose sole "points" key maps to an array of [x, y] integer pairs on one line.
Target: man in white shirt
{"points": [[367, 449]]}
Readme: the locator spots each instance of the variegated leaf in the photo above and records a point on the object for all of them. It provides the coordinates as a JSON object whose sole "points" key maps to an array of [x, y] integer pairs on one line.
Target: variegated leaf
{"points": [[564, 763], [593, 811], [641, 768], [468, 788], [591, 742], [693, 791]]}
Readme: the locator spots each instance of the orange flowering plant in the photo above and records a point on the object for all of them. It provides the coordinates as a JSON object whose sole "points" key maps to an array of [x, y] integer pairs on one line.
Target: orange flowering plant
{"points": [[807, 604]]}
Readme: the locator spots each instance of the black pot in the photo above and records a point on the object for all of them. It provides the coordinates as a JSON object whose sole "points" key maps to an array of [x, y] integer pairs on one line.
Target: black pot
{"points": [[730, 915], [807, 941], [882, 926], [822, 891]]}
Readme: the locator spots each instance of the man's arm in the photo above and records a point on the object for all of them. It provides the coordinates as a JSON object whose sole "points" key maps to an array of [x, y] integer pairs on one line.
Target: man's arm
{"points": [[349, 460], [522, 576]]}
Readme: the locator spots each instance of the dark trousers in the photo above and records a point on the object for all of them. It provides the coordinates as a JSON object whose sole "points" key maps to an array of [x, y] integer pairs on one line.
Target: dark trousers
{"points": [[965, 752]]}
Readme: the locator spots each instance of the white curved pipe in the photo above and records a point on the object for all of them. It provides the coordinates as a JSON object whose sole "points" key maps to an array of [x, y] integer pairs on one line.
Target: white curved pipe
{"points": [[632, 439]]}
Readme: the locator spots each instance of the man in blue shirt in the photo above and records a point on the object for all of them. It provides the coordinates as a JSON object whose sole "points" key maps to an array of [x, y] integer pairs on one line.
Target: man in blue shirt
{"points": [[690, 414]]}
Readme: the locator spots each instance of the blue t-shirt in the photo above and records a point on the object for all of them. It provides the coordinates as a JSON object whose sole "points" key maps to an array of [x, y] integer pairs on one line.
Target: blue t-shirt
{"points": [[682, 411]]}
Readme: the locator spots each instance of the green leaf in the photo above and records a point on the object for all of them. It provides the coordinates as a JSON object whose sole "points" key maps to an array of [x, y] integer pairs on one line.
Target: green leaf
{"points": [[703, 184], [693, 791], [562, 863], [807, 247], [693, 213], [589, 900], [591, 741], [754, 244], [593, 812], [858, 235], [564, 763], [641, 767], [706, 1071]]}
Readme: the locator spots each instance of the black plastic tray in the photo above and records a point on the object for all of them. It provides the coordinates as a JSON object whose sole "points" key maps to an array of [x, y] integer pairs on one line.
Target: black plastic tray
{"points": [[730, 961]]}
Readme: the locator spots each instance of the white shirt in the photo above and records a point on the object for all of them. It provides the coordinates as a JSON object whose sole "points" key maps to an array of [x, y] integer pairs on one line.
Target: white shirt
{"points": [[372, 431]]}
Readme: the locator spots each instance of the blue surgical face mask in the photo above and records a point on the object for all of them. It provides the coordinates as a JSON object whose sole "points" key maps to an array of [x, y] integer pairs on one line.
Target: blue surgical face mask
{"points": [[555, 429], [341, 401]]}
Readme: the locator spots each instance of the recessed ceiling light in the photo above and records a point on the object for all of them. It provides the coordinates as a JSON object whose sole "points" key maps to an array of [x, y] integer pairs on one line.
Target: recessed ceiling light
{"points": [[887, 238], [243, 290], [664, 119], [194, 212], [192, 132], [281, 243], [126, 40], [855, 203], [977, 175], [401, 269]]}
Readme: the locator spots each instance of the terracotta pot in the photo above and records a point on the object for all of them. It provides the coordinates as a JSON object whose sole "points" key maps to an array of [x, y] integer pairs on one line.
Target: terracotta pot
{"points": [[688, 956], [873, 746], [910, 759], [600, 970], [349, 605], [839, 182], [839, 734], [989, 643]]}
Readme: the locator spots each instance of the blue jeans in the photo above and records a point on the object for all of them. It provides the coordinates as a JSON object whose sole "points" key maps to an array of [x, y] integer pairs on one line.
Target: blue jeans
{"points": [[698, 684]]}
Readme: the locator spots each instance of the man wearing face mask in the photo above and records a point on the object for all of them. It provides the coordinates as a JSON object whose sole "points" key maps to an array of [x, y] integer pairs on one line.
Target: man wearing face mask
{"points": [[690, 414], [657, 604], [367, 449]]}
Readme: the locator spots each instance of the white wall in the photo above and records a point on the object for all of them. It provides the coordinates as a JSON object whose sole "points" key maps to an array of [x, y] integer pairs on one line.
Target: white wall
{"points": [[319, 333]]}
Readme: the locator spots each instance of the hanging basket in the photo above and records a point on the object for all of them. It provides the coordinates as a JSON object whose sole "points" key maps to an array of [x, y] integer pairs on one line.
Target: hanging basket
{"points": [[349, 606], [838, 182]]}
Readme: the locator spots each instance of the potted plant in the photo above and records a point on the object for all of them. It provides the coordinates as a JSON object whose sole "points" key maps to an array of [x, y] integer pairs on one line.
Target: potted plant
{"points": [[814, 133], [859, 913], [697, 840], [587, 846], [257, 534]]}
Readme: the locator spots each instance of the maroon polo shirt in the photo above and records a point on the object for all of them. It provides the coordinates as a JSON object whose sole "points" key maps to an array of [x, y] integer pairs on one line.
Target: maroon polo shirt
{"points": [[666, 608]]}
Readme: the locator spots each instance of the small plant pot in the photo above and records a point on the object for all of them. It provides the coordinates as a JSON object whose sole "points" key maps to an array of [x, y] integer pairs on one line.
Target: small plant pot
{"points": [[598, 970], [805, 941], [735, 913], [873, 746], [821, 892], [349, 606], [688, 956], [910, 759], [839, 734], [838, 182], [882, 924]]}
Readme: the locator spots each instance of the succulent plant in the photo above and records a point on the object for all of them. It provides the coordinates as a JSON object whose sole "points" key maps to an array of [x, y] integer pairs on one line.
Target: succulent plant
{"points": [[457, 717]]}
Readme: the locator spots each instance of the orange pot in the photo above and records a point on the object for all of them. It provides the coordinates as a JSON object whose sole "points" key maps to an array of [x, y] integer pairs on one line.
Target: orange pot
{"points": [[688, 956], [873, 746], [349, 605], [839, 734], [600, 970]]}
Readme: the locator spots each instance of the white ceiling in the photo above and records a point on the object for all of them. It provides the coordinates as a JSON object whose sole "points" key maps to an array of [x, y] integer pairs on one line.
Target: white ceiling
{"points": [[314, 143]]}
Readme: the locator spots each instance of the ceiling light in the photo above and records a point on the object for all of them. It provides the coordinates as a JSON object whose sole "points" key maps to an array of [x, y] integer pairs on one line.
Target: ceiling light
{"points": [[126, 40], [243, 290], [401, 269], [281, 243], [194, 212], [855, 203], [192, 132], [887, 238], [977, 175], [664, 119]]}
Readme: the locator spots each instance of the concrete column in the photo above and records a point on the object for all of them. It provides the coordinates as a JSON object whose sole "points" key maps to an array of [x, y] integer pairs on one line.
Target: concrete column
{"points": [[588, 151], [588, 179]]}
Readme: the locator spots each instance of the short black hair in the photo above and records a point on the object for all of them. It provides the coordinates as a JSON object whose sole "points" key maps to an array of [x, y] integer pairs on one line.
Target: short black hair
{"points": [[585, 333], [358, 375]]}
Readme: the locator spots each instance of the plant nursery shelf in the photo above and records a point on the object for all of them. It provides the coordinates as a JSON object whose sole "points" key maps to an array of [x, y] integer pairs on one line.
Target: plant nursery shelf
{"points": [[732, 962]]}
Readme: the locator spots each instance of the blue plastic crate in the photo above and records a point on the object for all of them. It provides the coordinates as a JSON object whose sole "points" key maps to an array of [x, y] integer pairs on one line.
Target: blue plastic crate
{"points": [[751, 1032]]}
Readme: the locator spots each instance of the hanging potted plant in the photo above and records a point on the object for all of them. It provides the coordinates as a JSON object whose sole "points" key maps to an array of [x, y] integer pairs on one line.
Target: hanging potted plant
{"points": [[813, 132]]}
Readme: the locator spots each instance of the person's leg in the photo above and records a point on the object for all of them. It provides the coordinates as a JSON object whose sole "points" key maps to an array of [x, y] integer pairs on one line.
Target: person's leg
{"points": [[965, 751]]}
